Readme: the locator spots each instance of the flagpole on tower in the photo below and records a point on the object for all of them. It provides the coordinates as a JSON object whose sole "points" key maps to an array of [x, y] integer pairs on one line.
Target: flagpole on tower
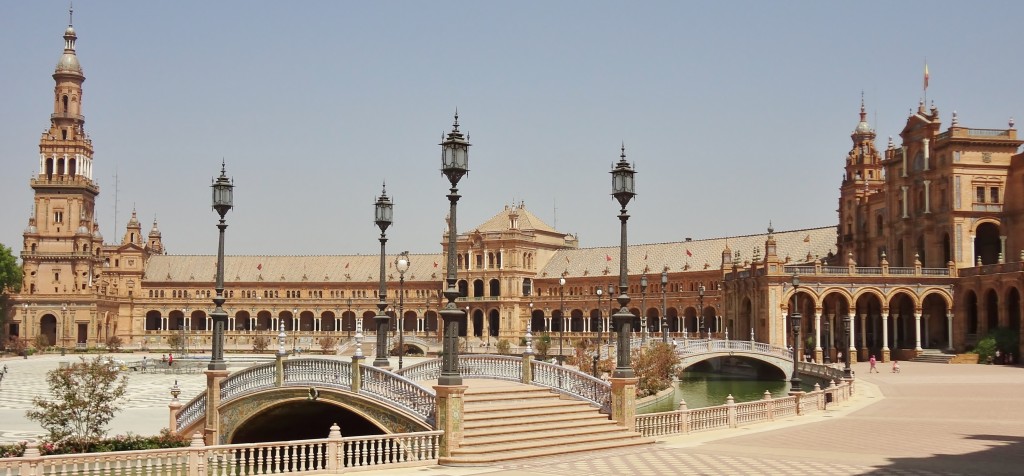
{"points": [[926, 82]]}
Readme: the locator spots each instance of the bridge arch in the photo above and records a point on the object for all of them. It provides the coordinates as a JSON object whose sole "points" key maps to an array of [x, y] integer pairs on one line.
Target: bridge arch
{"points": [[245, 418], [694, 352]]}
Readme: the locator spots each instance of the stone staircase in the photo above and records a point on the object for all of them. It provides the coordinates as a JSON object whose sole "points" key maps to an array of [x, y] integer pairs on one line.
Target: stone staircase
{"points": [[933, 356], [506, 421]]}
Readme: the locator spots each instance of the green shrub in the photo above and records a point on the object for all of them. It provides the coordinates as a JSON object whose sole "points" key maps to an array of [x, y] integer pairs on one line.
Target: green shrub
{"points": [[128, 442], [1003, 339], [503, 346]]}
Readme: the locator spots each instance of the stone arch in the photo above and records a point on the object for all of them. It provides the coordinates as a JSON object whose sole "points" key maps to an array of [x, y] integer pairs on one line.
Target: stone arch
{"points": [[478, 322], [263, 321], [242, 321], [239, 413], [1013, 309], [494, 288], [154, 320], [368, 324], [991, 309], [935, 305], [971, 309], [575, 320], [48, 328], [987, 244], [537, 321], [493, 323]]}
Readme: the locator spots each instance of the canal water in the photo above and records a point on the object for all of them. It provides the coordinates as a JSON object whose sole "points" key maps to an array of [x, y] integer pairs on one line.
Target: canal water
{"points": [[706, 389]]}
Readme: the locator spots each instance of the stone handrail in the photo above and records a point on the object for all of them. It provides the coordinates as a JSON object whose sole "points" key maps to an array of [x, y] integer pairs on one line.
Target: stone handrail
{"points": [[425, 370], [573, 382], [191, 412], [734, 415], [241, 382], [499, 367], [301, 457], [510, 367], [313, 371], [822, 371], [397, 390], [700, 346]]}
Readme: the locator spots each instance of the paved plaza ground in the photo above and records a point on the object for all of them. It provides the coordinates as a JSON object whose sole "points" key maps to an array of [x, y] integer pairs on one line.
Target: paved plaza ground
{"points": [[931, 419]]}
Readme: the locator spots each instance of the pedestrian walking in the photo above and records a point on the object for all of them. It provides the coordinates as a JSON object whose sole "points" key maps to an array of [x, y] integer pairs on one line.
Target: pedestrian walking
{"points": [[895, 366], [170, 360], [873, 362]]}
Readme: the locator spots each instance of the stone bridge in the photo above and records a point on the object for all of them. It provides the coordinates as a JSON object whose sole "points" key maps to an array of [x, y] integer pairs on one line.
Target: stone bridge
{"points": [[692, 351], [393, 401]]}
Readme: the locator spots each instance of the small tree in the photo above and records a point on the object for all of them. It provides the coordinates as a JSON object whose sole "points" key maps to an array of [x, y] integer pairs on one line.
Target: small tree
{"points": [[503, 346], [654, 368], [81, 402], [41, 343], [114, 344], [175, 342], [327, 344], [17, 346], [260, 343], [10, 280], [543, 345]]}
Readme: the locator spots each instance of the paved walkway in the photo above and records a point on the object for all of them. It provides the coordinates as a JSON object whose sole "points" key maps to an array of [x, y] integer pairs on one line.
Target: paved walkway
{"points": [[931, 419]]}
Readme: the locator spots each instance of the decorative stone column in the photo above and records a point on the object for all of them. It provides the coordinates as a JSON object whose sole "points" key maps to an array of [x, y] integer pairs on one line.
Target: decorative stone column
{"points": [[624, 402], [949, 331], [450, 404], [885, 336], [862, 355], [851, 351], [212, 429], [818, 354], [917, 331]]}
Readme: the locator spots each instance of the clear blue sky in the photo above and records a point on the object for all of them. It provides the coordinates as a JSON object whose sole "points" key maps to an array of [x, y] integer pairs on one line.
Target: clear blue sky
{"points": [[735, 113]]}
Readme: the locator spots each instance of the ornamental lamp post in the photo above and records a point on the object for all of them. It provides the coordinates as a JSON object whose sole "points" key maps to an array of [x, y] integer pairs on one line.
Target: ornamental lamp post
{"points": [[828, 339], [664, 306], [295, 329], [223, 191], [794, 322], [454, 165], [623, 189], [383, 210], [63, 325], [643, 307], [402, 265], [561, 316], [700, 307], [846, 345]]}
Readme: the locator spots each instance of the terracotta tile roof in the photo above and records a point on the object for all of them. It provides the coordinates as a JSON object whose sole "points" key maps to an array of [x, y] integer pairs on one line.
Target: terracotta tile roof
{"points": [[289, 269], [688, 255], [527, 221]]}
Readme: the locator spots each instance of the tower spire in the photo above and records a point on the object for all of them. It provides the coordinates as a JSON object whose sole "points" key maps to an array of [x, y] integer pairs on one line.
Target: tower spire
{"points": [[71, 14]]}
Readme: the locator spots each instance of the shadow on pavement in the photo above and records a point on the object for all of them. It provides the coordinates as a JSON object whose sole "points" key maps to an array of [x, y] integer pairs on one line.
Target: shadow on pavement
{"points": [[1004, 456]]}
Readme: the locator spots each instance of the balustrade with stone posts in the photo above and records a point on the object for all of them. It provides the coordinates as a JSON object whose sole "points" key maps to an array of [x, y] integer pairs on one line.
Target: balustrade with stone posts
{"points": [[734, 415], [331, 455]]}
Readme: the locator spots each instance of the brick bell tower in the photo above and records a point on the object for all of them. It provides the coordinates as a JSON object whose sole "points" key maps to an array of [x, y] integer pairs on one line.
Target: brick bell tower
{"points": [[62, 245], [863, 177]]}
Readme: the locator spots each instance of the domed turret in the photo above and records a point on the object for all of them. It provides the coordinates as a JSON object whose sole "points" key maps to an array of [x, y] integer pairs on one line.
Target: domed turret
{"points": [[69, 60]]}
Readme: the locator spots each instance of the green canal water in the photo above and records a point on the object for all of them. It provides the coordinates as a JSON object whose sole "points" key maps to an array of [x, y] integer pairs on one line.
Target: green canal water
{"points": [[706, 389]]}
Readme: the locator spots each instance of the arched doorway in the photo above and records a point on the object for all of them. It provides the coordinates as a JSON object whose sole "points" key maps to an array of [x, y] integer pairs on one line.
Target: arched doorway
{"points": [[493, 323], [153, 320], [48, 329], [991, 310], [537, 321], [986, 243]]}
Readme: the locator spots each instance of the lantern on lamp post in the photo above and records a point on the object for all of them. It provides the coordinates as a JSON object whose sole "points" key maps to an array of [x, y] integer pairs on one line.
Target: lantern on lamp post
{"points": [[383, 211], [623, 189], [454, 165]]}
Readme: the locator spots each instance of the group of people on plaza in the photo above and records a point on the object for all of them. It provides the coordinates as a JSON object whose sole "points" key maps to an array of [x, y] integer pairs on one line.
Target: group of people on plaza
{"points": [[874, 365]]}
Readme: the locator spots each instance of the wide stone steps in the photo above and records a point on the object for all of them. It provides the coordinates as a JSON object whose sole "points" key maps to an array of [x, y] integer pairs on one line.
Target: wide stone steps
{"points": [[505, 421], [933, 356]]}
